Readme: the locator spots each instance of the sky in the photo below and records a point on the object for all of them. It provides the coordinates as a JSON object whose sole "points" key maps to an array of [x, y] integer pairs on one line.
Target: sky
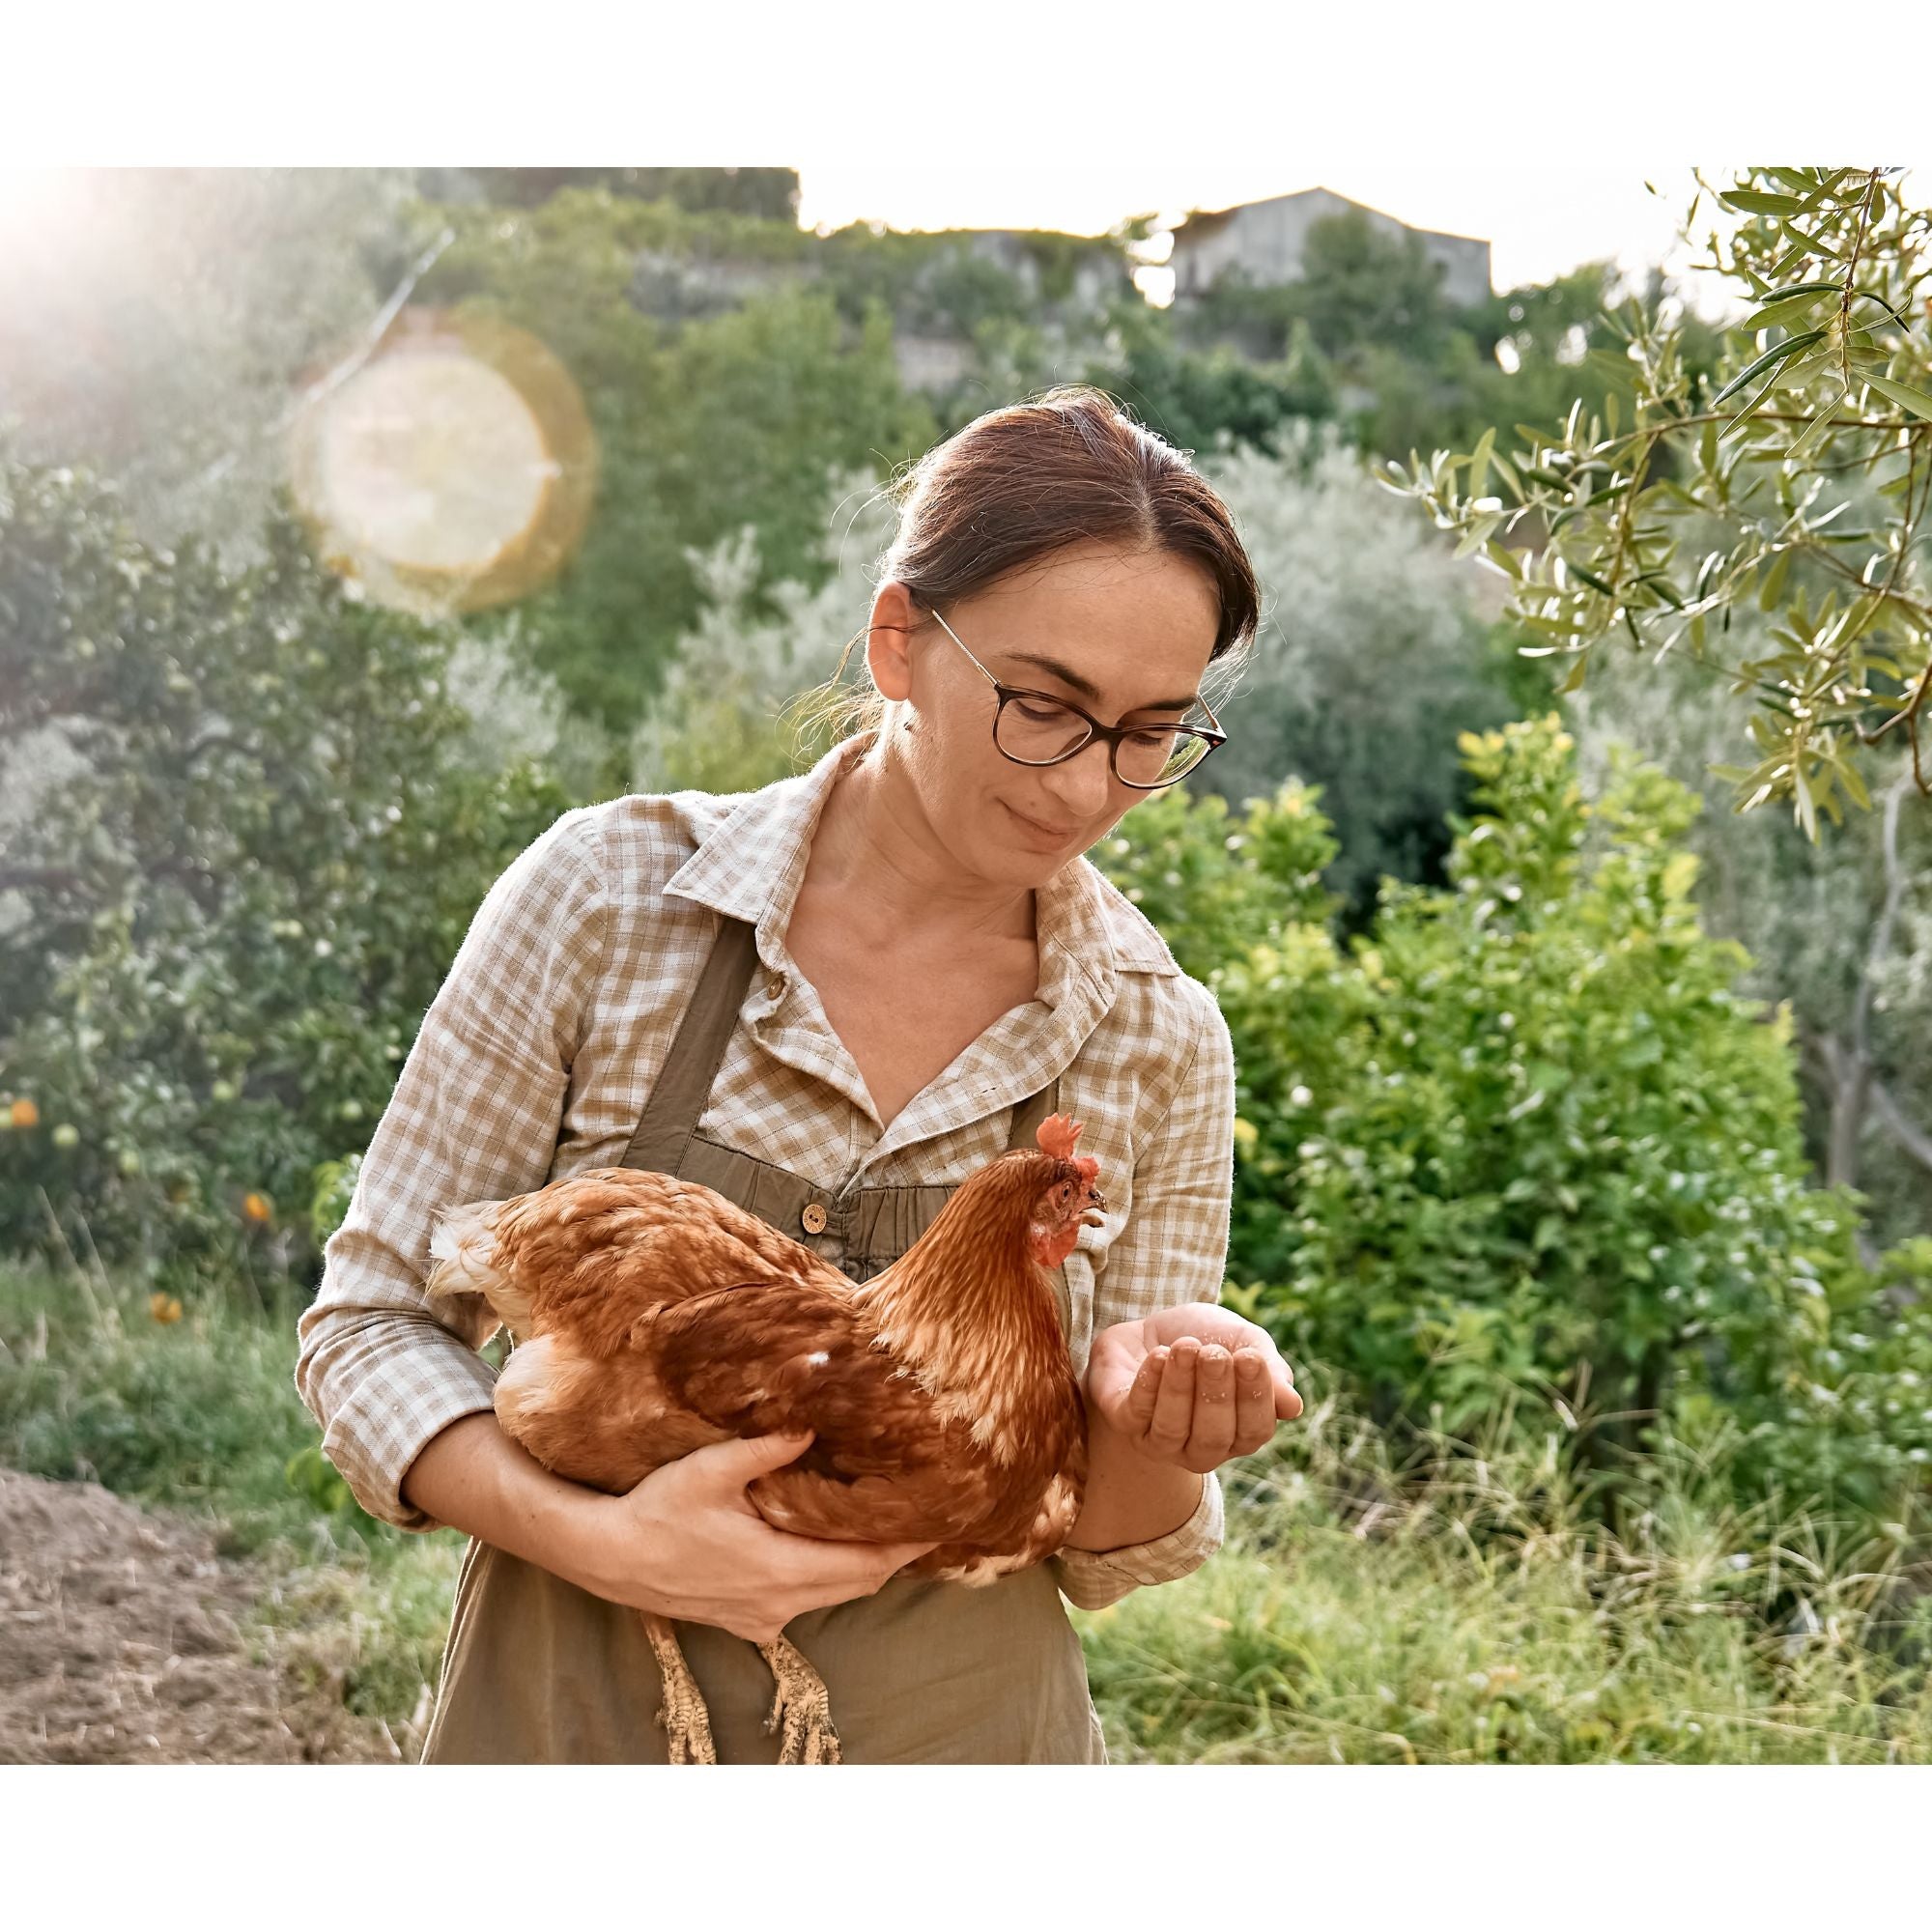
{"points": [[1536, 133]]}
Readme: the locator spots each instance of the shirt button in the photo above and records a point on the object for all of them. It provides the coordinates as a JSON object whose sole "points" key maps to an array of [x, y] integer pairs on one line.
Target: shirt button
{"points": [[775, 986], [813, 1218]]}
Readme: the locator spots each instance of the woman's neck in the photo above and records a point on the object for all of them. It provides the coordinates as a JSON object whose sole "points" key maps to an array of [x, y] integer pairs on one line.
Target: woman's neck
{"points": [[875, 845]]}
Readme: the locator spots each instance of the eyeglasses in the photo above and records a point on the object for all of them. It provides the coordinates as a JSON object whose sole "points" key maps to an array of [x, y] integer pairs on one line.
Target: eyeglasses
{"points": [[1034, 727]]}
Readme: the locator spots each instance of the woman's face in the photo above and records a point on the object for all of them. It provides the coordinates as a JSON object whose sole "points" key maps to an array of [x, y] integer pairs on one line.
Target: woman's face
{"points": [[1124, 634]]}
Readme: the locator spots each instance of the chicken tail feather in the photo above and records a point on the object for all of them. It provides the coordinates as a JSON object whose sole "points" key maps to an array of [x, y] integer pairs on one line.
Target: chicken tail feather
{"points": [[463, 1244]]}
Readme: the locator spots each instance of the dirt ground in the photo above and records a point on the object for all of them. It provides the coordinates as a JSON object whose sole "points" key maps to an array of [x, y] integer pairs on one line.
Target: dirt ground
{"points": [[120, 1643]]}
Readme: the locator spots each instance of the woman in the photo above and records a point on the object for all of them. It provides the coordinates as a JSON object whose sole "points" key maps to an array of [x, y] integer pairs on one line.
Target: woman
{"points": [[833, 1000]]}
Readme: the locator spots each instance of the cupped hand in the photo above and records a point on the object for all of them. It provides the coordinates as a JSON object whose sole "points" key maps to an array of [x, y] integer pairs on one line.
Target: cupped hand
{"points": [[1194, 1386]]}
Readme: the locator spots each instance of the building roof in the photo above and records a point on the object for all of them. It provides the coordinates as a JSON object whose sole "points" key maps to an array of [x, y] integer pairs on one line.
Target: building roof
{"points": [[1199, 223]]}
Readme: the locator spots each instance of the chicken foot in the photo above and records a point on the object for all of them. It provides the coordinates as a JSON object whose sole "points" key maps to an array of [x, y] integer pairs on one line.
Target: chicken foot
{"points": [[686, 1721], [801, 1706]]}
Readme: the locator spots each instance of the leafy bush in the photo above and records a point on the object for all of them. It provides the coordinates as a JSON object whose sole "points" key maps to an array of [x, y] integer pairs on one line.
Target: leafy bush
{"points": [[1524, 1134], [1370, 657], [227, 908], [1845, 1414], [1218, 883]]}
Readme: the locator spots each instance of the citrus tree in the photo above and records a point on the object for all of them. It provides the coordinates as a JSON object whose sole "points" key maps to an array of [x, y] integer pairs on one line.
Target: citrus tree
{"points": [[242, 842]]}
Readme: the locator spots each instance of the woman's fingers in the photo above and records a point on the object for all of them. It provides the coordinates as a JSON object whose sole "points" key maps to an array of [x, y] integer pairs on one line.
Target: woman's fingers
{"points": [[1286, 1397], [1172, 1421], [1200, 1403], [1211, 1440], [1254, 1402], [1144, 1391]]}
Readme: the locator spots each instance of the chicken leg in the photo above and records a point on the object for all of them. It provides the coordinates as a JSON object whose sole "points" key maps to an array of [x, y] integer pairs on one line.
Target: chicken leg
{"points": [[801, 1706], [686, 1721]]}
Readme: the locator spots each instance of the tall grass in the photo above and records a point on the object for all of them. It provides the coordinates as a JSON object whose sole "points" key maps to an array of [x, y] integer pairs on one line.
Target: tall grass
{"points": [[199, 1413], [1465, 1608], [1460, 1606]]}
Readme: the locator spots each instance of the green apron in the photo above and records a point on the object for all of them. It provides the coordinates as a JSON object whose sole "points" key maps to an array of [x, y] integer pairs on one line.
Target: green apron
{"points": [[537, 1671]]}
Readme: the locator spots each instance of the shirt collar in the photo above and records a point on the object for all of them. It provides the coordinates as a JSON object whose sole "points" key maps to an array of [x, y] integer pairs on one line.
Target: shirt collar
{"points": [[751, 862]]}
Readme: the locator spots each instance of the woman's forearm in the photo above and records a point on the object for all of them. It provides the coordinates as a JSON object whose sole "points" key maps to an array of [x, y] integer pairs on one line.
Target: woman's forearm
{"points": [[473, 1477], [1129, 1499]]}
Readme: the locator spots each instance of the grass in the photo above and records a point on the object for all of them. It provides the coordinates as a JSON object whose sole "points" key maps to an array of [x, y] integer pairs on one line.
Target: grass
{"points": [[1468, 1611], [1461, 1609], [201, 1413]]}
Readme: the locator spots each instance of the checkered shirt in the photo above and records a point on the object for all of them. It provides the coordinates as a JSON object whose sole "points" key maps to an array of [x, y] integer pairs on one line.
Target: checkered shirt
{"points": [[537, 1056]]}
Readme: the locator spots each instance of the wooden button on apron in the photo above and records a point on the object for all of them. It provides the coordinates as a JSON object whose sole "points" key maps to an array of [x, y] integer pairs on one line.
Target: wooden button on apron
{"points": [[813, 1218], [541, 1672]]}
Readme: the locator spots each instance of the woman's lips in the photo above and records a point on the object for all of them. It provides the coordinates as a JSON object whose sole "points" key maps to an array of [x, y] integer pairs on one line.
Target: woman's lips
{"points": [[1038, 829]]}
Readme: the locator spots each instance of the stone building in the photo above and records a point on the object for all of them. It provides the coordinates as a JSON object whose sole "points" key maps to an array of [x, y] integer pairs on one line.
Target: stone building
{"points": [[1264, 238]]}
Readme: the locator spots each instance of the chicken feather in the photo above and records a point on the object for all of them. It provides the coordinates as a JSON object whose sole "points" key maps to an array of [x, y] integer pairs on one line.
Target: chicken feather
{"points": [[652, 1316]]}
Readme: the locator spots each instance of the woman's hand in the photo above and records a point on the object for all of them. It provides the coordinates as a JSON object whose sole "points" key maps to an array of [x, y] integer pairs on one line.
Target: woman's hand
{"points": [[689, 1543], [1194, 1387]]}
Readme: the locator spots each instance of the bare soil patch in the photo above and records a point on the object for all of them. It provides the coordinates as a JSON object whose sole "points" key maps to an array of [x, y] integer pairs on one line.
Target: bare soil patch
{"points": [[122, 1642]]}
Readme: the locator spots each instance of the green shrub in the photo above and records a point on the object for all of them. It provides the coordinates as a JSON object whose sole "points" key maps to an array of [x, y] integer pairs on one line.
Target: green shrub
{"points": [[1524, 1134], [238, 884]]}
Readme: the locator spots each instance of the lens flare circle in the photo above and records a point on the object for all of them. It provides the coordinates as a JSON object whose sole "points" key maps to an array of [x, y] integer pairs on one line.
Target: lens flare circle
{"points": [[451, 468], [431, 461]]}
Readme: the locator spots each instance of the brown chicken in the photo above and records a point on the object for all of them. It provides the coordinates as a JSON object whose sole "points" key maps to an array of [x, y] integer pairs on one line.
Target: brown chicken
{"points": [[651, 1316]]}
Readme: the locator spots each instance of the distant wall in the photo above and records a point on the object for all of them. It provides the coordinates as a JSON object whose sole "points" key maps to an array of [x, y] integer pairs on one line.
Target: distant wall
{"points": [[1265, 240]]}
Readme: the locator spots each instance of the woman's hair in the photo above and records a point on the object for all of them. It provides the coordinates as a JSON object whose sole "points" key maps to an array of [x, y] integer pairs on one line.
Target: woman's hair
{"points": [[1018, 484]]}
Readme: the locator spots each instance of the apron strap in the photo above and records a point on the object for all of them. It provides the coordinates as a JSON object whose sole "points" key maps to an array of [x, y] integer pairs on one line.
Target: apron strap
{"points": [[1030, 1113], [678, 1097]]}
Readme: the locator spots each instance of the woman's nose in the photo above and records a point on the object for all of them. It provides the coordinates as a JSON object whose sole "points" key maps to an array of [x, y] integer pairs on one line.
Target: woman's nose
{"points": [[1082, 783]]}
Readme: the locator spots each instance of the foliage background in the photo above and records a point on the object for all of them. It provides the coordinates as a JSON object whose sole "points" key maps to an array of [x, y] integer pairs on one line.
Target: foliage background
{"points": [[1563, 1142]]}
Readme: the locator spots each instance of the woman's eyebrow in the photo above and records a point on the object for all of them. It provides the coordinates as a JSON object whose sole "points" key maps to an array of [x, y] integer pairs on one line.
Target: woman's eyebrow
{"points": [[1091, 691]]}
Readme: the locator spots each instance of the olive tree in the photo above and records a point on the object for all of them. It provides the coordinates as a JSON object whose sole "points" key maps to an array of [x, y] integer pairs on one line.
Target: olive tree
{"points": [[1796, 484]]}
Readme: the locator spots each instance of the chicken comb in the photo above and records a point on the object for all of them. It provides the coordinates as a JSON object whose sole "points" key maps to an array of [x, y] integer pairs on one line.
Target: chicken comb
{"points": [[1056, 1136]]}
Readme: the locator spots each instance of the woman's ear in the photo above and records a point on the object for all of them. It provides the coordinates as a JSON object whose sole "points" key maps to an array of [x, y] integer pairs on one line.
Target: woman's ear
{"points": [[888, 644]]}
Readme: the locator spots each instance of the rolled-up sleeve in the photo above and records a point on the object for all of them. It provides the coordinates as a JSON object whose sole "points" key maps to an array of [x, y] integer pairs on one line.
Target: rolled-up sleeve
{"points": [[1174, 1249], [474, 1117]]}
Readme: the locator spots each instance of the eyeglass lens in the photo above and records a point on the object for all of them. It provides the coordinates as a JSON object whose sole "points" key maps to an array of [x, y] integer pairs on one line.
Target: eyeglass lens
{"points": [[1038, 732]]}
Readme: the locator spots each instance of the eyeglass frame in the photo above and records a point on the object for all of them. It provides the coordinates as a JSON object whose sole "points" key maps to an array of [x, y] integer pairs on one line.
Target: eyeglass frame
{"points": [[1112, 733]]}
